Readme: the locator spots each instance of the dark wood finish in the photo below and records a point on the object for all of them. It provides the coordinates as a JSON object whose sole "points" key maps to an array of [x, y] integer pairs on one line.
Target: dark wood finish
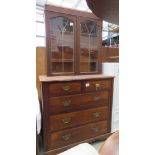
{"points": [[76, 108], [97, 85], [63, 41], [70, 103], [64, 88], [74, 119], [69, 136], [68, 11], [79, 114]]}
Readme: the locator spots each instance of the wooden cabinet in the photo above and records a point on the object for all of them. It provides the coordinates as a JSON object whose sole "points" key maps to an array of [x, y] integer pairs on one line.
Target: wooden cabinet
{"points": [[76, 109], [73, 42]]}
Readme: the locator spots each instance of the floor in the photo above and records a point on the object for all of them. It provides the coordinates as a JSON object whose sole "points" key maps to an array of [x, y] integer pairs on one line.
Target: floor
{"points": [[97, 144]]}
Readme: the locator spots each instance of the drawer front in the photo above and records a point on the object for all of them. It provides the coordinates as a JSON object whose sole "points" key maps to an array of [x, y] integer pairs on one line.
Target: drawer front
{"points": [[96, 85], [69, 136], [77, 102], [64, 88], [72, 119]]}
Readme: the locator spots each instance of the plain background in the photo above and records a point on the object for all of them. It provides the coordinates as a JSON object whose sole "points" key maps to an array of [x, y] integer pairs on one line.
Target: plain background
{"points": [[17, 77]]}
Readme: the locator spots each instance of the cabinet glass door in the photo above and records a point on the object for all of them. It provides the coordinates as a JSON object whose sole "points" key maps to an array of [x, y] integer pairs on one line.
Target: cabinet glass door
{"points": [[62, 45], [89, 45]]}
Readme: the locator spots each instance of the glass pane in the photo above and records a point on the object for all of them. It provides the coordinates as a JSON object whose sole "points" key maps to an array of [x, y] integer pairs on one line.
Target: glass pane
{"points": [[68, 52], [93, 54], [62, 43], [68, 66], [94, 41], [89, 27], [57, 67], [89, 41], [93, 67], [84, 53], [84, 67]]}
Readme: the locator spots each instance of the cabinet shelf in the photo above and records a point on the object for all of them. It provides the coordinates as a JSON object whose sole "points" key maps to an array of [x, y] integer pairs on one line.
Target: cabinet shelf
{"points": [[62, 60], [88, 60]]}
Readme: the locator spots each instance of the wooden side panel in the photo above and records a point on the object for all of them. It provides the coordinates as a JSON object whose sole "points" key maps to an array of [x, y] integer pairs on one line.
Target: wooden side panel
{"points": [[109, 54], [40, 66]]}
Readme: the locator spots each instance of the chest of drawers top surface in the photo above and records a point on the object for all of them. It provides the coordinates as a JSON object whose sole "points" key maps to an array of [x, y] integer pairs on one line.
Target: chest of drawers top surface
{"points": [[44, 78]]}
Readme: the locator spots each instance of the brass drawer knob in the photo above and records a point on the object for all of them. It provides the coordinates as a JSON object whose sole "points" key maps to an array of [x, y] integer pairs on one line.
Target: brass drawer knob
{"points": [[66, 103], [66, 120], [97, 86], [95, 129], [66, 137], [66, 88], [96, 114], [97, 98]]}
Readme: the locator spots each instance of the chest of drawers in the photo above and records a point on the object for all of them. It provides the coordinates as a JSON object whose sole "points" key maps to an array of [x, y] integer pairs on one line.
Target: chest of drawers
{"points": [[76, 109]]}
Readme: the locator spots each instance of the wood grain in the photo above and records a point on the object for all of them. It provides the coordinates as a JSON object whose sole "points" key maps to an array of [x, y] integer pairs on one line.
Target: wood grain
{"points": [[74, 134], [40, 67], [74, 119], [109, 54], [64, 88], [76, 102]]}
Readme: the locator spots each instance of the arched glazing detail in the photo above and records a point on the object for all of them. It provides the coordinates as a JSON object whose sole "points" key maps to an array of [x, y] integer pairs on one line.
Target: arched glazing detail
{"points": [[89, 44], [62, 45]]}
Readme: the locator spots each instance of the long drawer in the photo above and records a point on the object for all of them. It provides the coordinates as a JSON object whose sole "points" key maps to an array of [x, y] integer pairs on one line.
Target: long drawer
{"points": [[69, 136], [72, 119], [71, 103], [96, 85], [64, 88]]}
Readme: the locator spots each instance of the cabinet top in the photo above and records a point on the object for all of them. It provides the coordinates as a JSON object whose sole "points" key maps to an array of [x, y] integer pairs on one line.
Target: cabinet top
{"points": [[58, 9], [45, 78]]}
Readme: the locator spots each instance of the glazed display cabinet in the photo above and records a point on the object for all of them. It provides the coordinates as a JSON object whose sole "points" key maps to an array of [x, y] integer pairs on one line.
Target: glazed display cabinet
{"points": [[73, 42], [76, 98]]}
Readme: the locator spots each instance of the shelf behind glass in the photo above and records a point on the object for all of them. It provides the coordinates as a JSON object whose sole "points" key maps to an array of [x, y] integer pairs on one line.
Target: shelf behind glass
{"points": [[62, 60], [88, 67], [62, 66]]}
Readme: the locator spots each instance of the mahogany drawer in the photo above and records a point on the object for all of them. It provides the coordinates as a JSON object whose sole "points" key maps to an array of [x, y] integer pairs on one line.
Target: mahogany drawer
{"points": [[72, 119], [69, 136], [77, 102], [96, 85], [64, 88]]}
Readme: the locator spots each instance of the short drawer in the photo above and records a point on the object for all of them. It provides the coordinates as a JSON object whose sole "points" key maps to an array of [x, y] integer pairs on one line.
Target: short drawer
{"points": [[69, 136], [78, 102], [64, 88], [96, 85], [72, 119]]}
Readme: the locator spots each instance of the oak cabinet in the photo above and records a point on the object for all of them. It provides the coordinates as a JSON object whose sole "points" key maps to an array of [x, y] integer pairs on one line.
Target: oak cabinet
{"points": [[76, 106]]}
